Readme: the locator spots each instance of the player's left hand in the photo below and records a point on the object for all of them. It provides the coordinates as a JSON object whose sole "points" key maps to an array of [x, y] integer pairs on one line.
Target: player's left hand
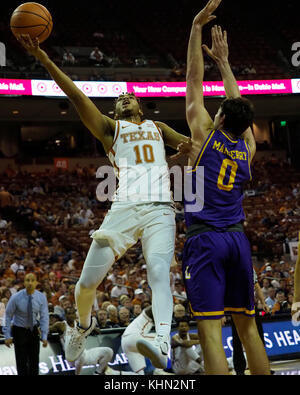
{"points": [[183, 149], [205, 16]]}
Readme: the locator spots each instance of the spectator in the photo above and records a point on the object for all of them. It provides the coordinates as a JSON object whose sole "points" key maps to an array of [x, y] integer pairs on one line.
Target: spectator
{"points": [[124, 317], [179, 312], [68, 58], [119, 288], [266, 285], [114, 274], [17, 265], [139, 297], [102, 318], [113, 318], [125, 301], [96, 57], [179, 292], [271, 299], [60, 308], [137, 309], [281, 306], [4, 224], [146, 289]]}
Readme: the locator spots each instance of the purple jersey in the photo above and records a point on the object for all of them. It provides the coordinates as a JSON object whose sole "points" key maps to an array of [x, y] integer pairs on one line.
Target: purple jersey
{"points": [[226, 165]]}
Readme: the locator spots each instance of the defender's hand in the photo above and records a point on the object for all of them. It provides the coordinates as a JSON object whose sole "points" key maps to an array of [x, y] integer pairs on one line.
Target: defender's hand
{"points": [[219, 51], [205, 16]]}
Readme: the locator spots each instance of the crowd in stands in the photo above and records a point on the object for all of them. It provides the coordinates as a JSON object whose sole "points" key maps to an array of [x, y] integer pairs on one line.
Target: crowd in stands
{"points": [[159, 38], [46, 222]]}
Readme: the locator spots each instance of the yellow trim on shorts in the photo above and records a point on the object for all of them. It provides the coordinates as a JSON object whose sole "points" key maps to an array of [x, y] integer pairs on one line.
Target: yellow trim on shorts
{"points": [[240, 310], [206, 313]]}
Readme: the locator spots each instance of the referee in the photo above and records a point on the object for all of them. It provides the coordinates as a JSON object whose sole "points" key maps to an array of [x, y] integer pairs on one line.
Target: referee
{"points": [[23, 311]]}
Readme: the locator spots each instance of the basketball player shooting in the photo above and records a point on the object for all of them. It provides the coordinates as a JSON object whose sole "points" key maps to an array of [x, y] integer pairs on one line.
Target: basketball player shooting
{"points": [[136, 150], [217, 262]]}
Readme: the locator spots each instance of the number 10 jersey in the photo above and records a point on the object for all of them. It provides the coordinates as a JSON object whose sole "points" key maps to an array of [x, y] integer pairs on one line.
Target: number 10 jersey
{"points": [[139, 159]]}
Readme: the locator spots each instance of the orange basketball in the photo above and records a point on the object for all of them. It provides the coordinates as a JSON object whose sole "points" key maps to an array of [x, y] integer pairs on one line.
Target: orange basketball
{"points": [[33, 19]]}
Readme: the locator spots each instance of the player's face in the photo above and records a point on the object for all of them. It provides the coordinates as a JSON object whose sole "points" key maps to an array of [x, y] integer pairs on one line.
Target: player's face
{"points": [[127, 106], [183, 328], [70, 314]]}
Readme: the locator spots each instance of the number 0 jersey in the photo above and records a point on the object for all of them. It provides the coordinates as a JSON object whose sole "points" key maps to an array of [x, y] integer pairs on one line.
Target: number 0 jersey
{"points": [[139, 159], [226, 165]]}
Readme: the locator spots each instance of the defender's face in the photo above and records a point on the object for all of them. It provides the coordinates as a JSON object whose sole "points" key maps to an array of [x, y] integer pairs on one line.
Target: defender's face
{"points": [[127, 106]]}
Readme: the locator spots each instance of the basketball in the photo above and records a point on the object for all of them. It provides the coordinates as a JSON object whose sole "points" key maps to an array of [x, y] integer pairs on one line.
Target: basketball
{"points": [[33, 19]]}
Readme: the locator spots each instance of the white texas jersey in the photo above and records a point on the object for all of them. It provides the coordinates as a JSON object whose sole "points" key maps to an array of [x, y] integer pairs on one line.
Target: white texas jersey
{"points": [[139, 159], [141, 326]]}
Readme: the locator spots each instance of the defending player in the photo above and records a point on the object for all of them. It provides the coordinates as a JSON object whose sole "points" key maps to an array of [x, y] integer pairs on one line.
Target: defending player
{"points": [[217, 257], [136, 150], [98, 356]]}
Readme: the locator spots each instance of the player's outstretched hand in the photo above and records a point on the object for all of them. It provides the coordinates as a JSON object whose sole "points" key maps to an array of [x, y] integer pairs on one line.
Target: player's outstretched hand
{"points": [[183, 149], [32, 46], [205, 16], [219, 51]]}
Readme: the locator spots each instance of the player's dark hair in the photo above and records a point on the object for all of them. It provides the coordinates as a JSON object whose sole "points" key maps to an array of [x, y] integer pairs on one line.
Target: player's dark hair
{"points": [[239, 115], [126, 94]]}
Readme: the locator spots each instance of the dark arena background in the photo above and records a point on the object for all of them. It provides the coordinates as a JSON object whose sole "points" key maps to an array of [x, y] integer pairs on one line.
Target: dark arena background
{"points": [[49, 161]]}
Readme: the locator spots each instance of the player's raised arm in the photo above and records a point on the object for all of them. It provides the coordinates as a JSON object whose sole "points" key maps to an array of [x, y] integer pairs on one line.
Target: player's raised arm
{"points": [[101, 127], [198, 118], [172, 138], [219, 52]]}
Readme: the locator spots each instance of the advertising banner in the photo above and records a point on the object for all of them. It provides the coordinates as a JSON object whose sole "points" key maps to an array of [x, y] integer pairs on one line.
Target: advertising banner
{"points": [[281, 339], [48, 88]]}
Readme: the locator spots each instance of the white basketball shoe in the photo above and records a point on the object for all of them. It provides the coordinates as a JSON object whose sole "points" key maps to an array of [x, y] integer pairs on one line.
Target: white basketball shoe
{"points": [[77, 341], [157, 351]]}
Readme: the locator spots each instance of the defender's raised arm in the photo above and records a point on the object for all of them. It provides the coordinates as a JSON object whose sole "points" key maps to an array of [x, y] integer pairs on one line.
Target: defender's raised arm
{"points": [[219, 52], [198, 118]]}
